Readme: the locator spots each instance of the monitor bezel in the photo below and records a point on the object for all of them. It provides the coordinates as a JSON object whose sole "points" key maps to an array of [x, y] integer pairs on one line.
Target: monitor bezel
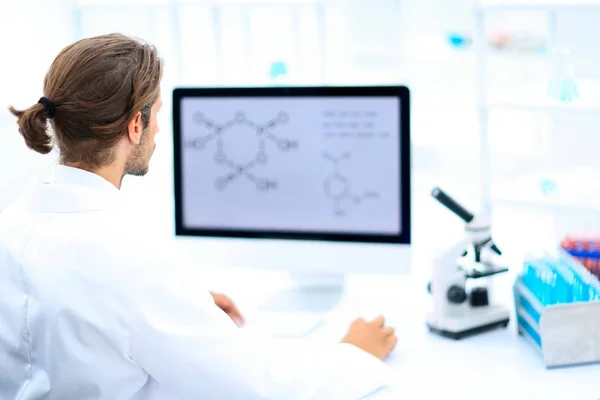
{"points": [[400, 92]]}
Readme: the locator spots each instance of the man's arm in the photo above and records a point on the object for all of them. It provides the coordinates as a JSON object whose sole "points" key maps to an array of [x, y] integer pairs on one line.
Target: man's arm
{"points": [[190, 346]]}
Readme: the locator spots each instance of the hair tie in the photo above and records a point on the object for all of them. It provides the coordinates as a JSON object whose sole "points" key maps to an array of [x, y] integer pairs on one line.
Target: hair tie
{"points": [[49, 106]]}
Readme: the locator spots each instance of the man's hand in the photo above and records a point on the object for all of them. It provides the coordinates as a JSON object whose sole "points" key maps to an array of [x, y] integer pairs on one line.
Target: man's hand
{"points": [[373, 337], [225, 304]]}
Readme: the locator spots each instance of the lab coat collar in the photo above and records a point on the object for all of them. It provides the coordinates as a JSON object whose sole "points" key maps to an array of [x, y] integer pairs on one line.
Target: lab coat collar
{"points": [[70, 189], [64, 175]]}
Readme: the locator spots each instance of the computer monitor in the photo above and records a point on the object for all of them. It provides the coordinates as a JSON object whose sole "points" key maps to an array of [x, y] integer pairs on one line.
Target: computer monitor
{"points": [[311, 180]]}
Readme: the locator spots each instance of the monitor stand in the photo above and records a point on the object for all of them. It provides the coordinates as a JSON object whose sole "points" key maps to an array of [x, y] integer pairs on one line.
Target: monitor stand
{"points": [[309, 293]]}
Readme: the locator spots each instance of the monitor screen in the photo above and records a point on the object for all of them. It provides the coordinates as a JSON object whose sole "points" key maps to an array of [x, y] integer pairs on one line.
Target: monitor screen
{"points": [[297, 163]]}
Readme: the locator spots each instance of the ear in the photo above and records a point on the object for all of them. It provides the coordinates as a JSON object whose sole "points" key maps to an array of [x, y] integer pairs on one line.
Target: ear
{"points": [[135, 129]]}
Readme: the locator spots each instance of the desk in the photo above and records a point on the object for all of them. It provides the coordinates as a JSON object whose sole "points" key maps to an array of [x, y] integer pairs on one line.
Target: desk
{"points": [[494, 365]]}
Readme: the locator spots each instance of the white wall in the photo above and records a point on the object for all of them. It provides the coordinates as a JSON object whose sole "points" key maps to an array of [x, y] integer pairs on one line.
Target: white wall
{"points": [[32, 32]]}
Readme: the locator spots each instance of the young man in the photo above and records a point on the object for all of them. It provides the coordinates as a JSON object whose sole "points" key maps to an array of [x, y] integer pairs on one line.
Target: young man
{"points": [[89, 309]]}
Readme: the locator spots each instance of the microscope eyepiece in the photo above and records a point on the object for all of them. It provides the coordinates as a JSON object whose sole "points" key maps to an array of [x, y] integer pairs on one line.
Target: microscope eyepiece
{"points": [[451, 204]]}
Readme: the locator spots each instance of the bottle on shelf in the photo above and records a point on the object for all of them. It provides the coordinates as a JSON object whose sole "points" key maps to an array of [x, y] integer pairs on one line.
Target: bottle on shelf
{"points": [[562, 85], [278, 73]]}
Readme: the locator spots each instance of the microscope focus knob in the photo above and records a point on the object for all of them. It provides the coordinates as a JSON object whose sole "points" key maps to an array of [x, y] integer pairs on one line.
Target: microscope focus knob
{"points": [[479, 297], [456, 294]]}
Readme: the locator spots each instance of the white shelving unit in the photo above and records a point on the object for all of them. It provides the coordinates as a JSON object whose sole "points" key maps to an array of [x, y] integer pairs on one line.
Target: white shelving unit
{"points": [[527, 98], [246, 7], [217, 9], [536, 5], [524, 191]]}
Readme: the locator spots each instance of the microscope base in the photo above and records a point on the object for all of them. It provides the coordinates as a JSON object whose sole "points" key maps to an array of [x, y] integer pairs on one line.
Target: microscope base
{"points": [[469, 332], [472, 323]]}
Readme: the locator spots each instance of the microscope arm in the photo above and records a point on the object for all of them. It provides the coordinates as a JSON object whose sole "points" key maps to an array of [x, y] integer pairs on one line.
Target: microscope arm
{"points": [[447, 261], [448, 280]]}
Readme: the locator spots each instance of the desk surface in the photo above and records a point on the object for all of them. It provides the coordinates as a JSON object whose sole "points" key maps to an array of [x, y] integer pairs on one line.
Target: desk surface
{"points": [[494, 365], [498, 363]]}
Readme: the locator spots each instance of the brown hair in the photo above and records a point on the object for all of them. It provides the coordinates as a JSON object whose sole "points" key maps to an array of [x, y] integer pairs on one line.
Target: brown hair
{"points": [[97, 86]]}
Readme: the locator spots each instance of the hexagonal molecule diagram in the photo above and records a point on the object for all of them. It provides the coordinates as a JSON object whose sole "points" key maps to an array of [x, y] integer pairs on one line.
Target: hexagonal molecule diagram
{"points": [[338, 187], [264, 133]]}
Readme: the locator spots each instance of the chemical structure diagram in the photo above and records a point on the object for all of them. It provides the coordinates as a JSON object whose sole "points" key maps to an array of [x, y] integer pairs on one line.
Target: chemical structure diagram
{"points": [[338, 188], [263, 134]]}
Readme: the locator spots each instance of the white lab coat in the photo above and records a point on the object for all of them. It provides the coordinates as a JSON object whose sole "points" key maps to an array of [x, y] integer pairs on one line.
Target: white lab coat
{"points": [[90, 309]]}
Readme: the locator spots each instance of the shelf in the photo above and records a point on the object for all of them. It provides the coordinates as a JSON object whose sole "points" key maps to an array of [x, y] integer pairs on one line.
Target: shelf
{"points": [[272, 2], [534, 98], [536, 5], [577, 189], [283, 3], [86, 3]]}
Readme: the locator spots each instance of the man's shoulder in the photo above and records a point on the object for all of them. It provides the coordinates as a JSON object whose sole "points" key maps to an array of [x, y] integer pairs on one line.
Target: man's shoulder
{"points": [[108, 233], [102, 234], [15, 223]]}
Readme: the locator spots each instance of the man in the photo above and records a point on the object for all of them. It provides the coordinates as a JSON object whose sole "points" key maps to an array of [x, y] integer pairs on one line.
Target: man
{"points": [[90, 308]]}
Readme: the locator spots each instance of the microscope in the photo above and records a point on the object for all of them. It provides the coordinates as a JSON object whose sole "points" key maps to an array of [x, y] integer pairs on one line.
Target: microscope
{"points": [[457, 311]]}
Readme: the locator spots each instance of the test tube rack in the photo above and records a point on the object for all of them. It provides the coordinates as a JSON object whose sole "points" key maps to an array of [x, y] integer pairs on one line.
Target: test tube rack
{"points": [[564, 334], [586, 250]]}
